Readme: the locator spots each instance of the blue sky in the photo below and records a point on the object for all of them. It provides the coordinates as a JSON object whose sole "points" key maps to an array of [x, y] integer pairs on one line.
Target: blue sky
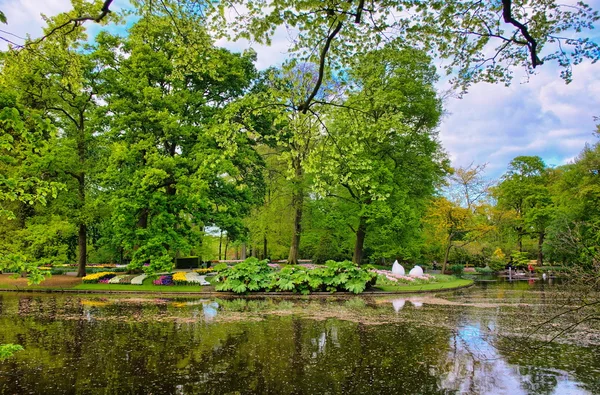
{"points": [[491, 124]]}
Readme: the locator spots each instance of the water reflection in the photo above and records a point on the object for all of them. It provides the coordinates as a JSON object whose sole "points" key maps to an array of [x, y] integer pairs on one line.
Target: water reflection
{"points": [[399, 303], [411, 345]]}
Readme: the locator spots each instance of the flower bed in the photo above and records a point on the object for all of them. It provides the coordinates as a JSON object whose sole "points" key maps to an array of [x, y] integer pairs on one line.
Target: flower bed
{"points": [[388, 278], [179, 278], [98, 277], [164, 280]]}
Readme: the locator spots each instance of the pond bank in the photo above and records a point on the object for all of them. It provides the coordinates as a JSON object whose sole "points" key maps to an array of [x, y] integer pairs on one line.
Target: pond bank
{"points": [[209, 290]]}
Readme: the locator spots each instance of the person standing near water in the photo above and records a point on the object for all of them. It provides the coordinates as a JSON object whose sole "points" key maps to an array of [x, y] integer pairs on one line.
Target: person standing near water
{"points": [[530, 268]]}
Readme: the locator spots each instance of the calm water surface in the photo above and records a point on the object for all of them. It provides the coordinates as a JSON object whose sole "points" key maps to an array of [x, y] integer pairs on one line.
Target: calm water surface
{"points": [[472, 341]]}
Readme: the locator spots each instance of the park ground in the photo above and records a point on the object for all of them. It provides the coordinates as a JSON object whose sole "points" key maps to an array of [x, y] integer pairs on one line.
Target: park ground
{"points": [[71, 283]]}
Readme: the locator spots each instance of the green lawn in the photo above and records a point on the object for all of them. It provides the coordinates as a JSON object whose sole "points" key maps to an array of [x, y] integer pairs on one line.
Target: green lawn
{"points": [[456, 283]]}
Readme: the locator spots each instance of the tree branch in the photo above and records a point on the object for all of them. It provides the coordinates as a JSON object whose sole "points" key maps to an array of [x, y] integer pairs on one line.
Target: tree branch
{"points": [[304, 106], [104, 11], [531, 42]]}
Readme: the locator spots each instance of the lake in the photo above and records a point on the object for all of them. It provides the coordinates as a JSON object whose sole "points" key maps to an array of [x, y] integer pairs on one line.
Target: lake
{"points": [[480, 340]]}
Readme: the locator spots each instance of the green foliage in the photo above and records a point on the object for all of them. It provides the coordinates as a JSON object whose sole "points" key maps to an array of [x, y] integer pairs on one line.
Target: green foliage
{"points": [[461, 31], [457, 270], [253, 275], [8, 350], [485, 270], [520, 259]]}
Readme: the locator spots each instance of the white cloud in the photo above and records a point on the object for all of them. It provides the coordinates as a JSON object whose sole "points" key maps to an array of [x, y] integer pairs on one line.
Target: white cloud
{"points": [[24, 16], [544, 117]]}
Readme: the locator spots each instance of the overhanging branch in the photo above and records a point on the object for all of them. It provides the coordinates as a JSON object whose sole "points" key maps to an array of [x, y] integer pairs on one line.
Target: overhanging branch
{"points": [[531, 42], [104, 11]]}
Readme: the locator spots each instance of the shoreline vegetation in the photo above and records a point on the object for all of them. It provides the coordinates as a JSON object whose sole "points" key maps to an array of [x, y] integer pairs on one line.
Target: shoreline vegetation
{"points": [[68, 284]]}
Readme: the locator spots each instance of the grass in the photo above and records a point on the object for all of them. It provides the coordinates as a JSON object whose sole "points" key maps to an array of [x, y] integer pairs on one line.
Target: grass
{"points": [[455, 283]]}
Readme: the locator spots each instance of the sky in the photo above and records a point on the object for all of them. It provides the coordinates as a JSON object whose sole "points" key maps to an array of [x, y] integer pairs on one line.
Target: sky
{"points": [[491, 124]]}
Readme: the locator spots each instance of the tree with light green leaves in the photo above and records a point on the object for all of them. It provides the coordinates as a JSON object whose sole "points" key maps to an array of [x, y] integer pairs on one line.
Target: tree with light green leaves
{"points": [[482, 40], [26, 138], [380, 150], [60, 77]]}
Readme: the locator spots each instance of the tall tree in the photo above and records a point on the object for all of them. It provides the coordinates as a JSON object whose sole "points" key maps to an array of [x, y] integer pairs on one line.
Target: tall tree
{"points": [[59, 77], [380, 150], [25, 138], [465, 215], [524, 191], [170, 96]]}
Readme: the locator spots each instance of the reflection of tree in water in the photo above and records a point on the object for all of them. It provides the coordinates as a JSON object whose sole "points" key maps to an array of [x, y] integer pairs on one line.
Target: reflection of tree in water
{"points": [[127, 348]]}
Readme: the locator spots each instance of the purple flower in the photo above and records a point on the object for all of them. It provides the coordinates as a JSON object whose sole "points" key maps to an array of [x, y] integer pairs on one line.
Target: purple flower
{"points": [[163, 280]]}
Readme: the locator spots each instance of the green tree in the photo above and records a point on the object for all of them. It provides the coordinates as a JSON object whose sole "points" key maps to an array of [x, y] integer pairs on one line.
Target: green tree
{"points": [[380, 150], [26, 137], [181, 159], [60, 77], [573, 236], [524, 191]]}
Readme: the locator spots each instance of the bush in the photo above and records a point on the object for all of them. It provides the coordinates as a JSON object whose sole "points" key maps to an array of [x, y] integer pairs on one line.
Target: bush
{"points": [[484, 270], [520, 259], [457, 270], [255, 275], [497, 261]]}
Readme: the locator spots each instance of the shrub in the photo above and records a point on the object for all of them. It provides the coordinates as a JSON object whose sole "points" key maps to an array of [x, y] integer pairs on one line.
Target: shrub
{"points": [[457, 270], [7, 350], [484, 270], [255, 275], [520, 259]]}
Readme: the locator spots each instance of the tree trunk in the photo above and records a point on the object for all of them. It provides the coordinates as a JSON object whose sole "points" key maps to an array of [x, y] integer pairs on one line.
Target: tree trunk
{"points": [[447, 253], [540, 259], [220, 243], [265, 246], [142, 223], [244, 253], [295, 247], [361, 232], [82, 237], [520, 239], [297, 204], [226, 246], [82, 250]]}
